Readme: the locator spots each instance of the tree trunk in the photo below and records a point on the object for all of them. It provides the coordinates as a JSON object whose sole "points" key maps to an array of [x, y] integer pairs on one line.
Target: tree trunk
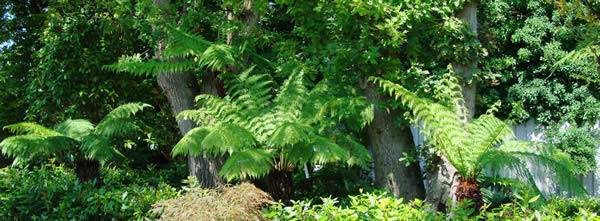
{"points": [[467, 71], [443, 181], [179, 90], [388, 142], [88, 170]]}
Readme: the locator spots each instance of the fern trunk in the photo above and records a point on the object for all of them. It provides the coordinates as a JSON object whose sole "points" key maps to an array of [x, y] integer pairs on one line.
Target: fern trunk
{"points": [[279, 184], [388, 142], [469, 189], [88, 170], [179, 90], [441, 183]]}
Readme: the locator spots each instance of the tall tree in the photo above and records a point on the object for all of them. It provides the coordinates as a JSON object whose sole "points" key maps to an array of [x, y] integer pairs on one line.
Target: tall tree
{"points": [[389, 142], [180, 89], [443, 180]]}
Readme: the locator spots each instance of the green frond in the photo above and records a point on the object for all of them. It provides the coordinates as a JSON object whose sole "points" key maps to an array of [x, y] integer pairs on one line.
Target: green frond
{"points": [[247, 164], [75, 129], [320, 150], [227, 138], [97, 147], [191, 143], [27, 147], [127, 110], [291, 134], [197, 116], [31, 129], [514, 156], [441, 125], [485, 132], [119, 121], [184, 40], [221, 109], [291, 96], [358, 155], [152, 68], [326, 151], [217, 57]]}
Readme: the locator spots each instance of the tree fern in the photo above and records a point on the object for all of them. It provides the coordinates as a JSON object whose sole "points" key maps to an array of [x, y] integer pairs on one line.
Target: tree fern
{"points": [[71, 140], [484, 143], [263, 131]]}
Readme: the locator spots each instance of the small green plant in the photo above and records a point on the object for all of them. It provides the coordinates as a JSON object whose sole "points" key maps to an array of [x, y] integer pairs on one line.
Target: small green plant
{"points": [[77, 142], [481, 147]]}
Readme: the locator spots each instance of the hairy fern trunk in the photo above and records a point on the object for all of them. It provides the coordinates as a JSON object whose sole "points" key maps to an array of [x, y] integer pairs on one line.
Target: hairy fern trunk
{"points": [[179, 90], [388, 143], [88, 170]]}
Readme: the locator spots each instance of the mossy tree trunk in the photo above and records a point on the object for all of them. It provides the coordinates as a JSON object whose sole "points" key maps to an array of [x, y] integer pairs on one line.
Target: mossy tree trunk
{"points": [[179, 89], [388, 143], [443, 181]]}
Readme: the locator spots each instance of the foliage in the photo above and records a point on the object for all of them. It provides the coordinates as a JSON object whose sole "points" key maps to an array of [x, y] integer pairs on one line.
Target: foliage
{"points": [[373, 206], [367, 206], [581, 143], [526, 41], [261, 132], [484, 143], [53, 193], [71, 139], [239, 202]]}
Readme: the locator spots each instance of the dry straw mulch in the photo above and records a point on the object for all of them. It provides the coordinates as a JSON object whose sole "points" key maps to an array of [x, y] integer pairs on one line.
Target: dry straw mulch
{"points": [[240, 202]]}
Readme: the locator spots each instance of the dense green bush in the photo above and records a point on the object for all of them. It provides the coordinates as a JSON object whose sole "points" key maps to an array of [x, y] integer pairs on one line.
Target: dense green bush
{"points": [[54, 193], [377, 206]]}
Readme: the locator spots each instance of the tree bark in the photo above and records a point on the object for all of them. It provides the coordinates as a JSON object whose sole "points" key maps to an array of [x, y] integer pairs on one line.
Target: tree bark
{"points": [[443, 181], [388, 142], [179, 89]]}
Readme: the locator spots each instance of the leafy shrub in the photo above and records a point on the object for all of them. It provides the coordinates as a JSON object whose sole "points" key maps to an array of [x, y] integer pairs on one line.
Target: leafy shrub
{"points": [[378, 206], [368, 206], [580, 143], [54, 193], [240, 202]]}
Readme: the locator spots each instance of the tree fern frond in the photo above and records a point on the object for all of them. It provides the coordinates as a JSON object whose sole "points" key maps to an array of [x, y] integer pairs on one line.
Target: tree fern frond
{"points": [[486, 132], [291, 134], [227, 138], [357, 153], [31, 129], [119, 121], [152, 68], [27, 147], [291, 96], [127, 110], [442, 126], [185, 40], [197, 116], [515, 156], [191, 143], [217, 57], [247, 164], [97, 147], [75, 129], [326, 151]]}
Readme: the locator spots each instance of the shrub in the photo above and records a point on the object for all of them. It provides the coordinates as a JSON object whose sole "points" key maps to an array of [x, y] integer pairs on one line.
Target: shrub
{"points": [[368, 206], [240, 202], [379, 206], [54, 193]]}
